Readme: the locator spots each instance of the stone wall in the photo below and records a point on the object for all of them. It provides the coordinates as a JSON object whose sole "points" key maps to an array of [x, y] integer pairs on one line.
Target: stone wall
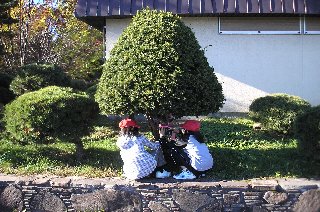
{"points": [[79, 194]]}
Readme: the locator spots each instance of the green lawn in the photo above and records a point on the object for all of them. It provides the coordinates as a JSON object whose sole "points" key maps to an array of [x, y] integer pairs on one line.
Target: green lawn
{"points": [[239, 153]]}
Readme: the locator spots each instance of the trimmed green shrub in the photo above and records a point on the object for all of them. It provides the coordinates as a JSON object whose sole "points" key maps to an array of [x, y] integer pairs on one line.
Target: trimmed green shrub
{"points": [[156, 68], [79, 84], [34, 76], [277, 112], [91, 91], [50, 113], [307, 131]]}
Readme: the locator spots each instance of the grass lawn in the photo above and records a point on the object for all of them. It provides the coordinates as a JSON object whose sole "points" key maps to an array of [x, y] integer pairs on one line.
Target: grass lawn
{"points": [[239, 153]]}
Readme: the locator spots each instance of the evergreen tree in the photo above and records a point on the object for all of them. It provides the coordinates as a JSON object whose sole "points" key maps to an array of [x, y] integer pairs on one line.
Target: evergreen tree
{"points": [[157, 68]]}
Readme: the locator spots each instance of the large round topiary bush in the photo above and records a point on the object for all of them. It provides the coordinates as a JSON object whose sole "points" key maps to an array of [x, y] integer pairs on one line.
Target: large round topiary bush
{"points": [[307, 131], [50, 113], [277, 112], [35, 76], [156, 68]]}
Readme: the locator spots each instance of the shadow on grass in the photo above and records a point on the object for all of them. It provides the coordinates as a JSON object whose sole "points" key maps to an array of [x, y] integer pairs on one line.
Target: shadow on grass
{"points": [[102, 158], [242, 153], [49, 156], [255, 163]]}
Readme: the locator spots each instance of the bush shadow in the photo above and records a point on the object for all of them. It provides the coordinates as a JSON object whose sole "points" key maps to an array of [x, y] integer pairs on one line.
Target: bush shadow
{"points": [[254, 163], [44, 155]]}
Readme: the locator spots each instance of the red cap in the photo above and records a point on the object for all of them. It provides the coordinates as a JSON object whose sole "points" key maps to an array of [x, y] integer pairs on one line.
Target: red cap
{"points": [[128, 123], [191, 125]]}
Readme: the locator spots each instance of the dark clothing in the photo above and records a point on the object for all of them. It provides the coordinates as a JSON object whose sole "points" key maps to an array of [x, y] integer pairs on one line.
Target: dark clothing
{"points": [[175, 157]]}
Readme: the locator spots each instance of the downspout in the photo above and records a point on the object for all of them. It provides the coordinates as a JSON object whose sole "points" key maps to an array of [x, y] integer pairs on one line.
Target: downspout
{"points": [[104, 30]]}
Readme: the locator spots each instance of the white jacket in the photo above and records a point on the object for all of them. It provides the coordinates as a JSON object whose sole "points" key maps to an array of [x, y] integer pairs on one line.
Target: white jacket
{"points": [[200, 157]]}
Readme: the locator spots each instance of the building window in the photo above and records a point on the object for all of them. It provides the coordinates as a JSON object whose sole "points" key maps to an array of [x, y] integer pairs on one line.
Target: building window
{"points": [[260, 25], [311, 25]]}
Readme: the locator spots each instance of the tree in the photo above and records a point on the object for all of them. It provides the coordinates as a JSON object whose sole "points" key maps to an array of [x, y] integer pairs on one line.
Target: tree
{"points": [[5, 22], [79, 47], [158, 68], [32, 38], [48, 32]]}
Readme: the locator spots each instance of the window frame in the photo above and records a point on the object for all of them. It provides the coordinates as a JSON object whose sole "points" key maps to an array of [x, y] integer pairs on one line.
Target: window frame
{"points": [[307, 32], [236, 32]]}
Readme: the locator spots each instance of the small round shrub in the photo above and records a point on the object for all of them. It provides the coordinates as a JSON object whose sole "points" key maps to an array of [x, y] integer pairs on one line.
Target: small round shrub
{"points": [[307, 131], [277, 112], [34, 76], [49, 113]]}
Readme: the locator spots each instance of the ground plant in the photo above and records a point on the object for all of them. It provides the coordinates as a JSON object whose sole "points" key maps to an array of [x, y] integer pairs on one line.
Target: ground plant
{"points": [[239, 153]]}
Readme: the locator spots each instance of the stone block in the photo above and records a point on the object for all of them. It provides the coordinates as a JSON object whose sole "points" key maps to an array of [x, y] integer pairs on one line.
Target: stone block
{"points": [[251, 197], [230, 199], [300, 184], [60, 182], [253, 202], [41, 182], [264, 185], [87, 183], [234, 184], [249, 193]]}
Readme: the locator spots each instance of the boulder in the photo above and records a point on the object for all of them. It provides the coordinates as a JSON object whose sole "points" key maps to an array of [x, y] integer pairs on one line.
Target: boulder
{"points": [[11, 199], [189, 201], [308, 201], [275, 197], [158, 207], [115, 199], [46, 201]]}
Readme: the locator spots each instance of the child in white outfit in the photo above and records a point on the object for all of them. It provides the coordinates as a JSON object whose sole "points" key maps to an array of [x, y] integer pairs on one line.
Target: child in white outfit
{"points": [[137, 162], [196, 158]]}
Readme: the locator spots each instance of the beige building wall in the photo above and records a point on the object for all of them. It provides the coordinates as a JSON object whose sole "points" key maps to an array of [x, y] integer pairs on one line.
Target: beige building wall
{"points": [[250, 66]]}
